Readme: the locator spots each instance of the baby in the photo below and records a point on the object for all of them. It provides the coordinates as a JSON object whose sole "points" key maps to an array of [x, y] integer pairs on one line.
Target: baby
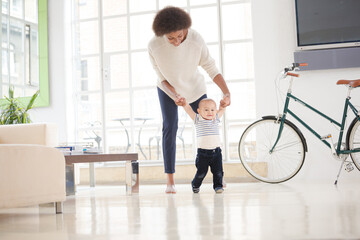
{"points": [[208, 137]]}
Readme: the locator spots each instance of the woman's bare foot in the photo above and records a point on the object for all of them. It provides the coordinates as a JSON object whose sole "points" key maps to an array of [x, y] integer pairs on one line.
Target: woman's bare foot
{"points": [[170, 189], [170, 183]]}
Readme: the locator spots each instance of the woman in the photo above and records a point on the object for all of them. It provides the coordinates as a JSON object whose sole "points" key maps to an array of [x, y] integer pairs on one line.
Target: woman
{"points": [[175, 52]]}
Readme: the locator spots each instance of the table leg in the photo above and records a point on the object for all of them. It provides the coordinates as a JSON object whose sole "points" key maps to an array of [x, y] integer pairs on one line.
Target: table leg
{"points": [[132, 177], [70, 180]]}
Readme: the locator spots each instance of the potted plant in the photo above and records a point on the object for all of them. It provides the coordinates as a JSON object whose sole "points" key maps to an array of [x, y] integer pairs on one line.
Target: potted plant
{"points": [[13, 111]]}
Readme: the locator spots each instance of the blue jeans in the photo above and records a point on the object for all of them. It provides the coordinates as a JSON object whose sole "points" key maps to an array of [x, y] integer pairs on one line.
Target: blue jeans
{"points": [[204, 159], [169, 111]]}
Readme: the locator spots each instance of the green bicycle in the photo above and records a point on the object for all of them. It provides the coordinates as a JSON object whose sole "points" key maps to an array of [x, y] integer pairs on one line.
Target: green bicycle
{"points": [[273, 149]]}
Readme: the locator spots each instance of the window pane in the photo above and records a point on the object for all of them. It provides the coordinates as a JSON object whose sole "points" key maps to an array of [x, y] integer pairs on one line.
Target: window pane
{"points": [[89, 74], [201, 2], [34, 71], [119, 71], [152, 136], [89, 37], [235, 130], [5, 6], [214, 92], [18, 91], [88, 109], [242, 101], [4, 31], [205, 21], [30, 91], [141, 30], [91, 134], [16, 68], [16, 35], [141, 141], [176, 3], [34, 40], [142, 5], [237, 21], [184, 139], [142, 71], [238, 61], [4, 62], [31, 10], [16, 8], [115, 34], [214, 52], [5, 90], [114, 7], [150, 146], [34, 57], [117, 108], [118, 141], [88, 9], [146, 104]]}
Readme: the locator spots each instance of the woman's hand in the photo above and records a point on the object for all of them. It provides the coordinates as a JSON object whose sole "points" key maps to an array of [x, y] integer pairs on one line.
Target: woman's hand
{"points": [[179, 100], [226, 101]]}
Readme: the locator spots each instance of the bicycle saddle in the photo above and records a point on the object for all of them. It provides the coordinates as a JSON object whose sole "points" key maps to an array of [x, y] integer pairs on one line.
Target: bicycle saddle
{"points": [[352, 83]]}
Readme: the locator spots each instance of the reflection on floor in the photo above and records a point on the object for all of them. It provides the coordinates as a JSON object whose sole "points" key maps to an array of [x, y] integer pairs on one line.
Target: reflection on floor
{"points": [[243, 211]]}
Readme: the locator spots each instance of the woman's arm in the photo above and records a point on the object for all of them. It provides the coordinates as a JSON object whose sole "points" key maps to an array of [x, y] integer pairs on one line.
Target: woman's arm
{"points": [[219, 80], [170, 90]]}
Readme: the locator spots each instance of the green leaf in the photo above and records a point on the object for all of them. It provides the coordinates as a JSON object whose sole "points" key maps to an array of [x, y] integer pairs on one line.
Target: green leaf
{"points": [[32, 100], [13, 111]]}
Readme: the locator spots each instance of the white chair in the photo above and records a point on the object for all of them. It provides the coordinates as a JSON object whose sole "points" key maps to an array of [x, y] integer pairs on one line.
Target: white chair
{"points": [[32, 171]]}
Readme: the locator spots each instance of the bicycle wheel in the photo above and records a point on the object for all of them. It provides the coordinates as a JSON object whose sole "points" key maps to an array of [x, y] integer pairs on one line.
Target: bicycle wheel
{"points": [[286, 159], [353, 141]]}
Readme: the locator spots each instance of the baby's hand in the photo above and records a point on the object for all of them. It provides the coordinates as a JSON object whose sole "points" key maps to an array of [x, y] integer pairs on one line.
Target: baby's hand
{"points": [[222, 106]]}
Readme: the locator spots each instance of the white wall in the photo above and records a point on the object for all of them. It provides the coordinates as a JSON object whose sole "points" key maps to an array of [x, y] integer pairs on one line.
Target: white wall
{"points": [[274, 44], [58, 34]]}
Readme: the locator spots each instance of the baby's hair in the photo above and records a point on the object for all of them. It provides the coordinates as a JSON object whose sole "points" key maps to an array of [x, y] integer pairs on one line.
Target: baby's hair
{"points": [[206, 100]]}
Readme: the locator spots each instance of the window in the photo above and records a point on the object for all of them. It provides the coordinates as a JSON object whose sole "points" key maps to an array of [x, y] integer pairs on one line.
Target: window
{"points": [[19, 47], [115, 85]]}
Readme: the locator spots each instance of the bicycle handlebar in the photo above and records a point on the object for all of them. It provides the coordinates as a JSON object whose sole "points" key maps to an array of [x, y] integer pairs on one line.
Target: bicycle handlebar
{"points": [[293, 67], [292, 74]]}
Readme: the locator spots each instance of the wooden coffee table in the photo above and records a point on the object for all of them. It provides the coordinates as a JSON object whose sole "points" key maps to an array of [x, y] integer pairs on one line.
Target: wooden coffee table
{"points": [[131, 169]]}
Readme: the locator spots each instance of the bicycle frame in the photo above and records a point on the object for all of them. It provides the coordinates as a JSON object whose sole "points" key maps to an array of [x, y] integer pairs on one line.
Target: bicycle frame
{"points": [[342, 125]]}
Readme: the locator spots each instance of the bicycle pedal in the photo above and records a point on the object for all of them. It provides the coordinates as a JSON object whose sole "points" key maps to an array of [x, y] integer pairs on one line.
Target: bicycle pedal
{"points": [[349, 167], [326, 137]]}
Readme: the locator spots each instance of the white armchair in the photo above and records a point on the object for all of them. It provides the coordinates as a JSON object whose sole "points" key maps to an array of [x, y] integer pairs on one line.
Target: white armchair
{"points": [[32, 171]]}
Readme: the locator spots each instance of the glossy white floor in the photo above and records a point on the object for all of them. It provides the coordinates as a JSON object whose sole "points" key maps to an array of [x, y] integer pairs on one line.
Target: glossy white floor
{"points": [[243, 211]]}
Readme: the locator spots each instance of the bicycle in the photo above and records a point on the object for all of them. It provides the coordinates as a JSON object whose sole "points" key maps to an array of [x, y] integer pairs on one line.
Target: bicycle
{"points": [[273, 148]]}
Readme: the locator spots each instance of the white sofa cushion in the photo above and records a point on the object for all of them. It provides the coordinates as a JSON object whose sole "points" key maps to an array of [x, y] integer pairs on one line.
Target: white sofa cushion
{"points": [[31, 133]]}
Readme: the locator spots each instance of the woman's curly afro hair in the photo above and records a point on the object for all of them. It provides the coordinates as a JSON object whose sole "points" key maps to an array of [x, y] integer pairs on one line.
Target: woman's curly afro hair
{"points": [[170, 19]]}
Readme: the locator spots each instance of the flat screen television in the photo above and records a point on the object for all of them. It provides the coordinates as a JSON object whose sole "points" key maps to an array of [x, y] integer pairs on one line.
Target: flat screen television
{"points": [[327, 23]]}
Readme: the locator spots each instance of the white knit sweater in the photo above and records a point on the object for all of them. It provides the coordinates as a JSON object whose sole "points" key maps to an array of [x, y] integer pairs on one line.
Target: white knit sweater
{"points": [[179, 65]]}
